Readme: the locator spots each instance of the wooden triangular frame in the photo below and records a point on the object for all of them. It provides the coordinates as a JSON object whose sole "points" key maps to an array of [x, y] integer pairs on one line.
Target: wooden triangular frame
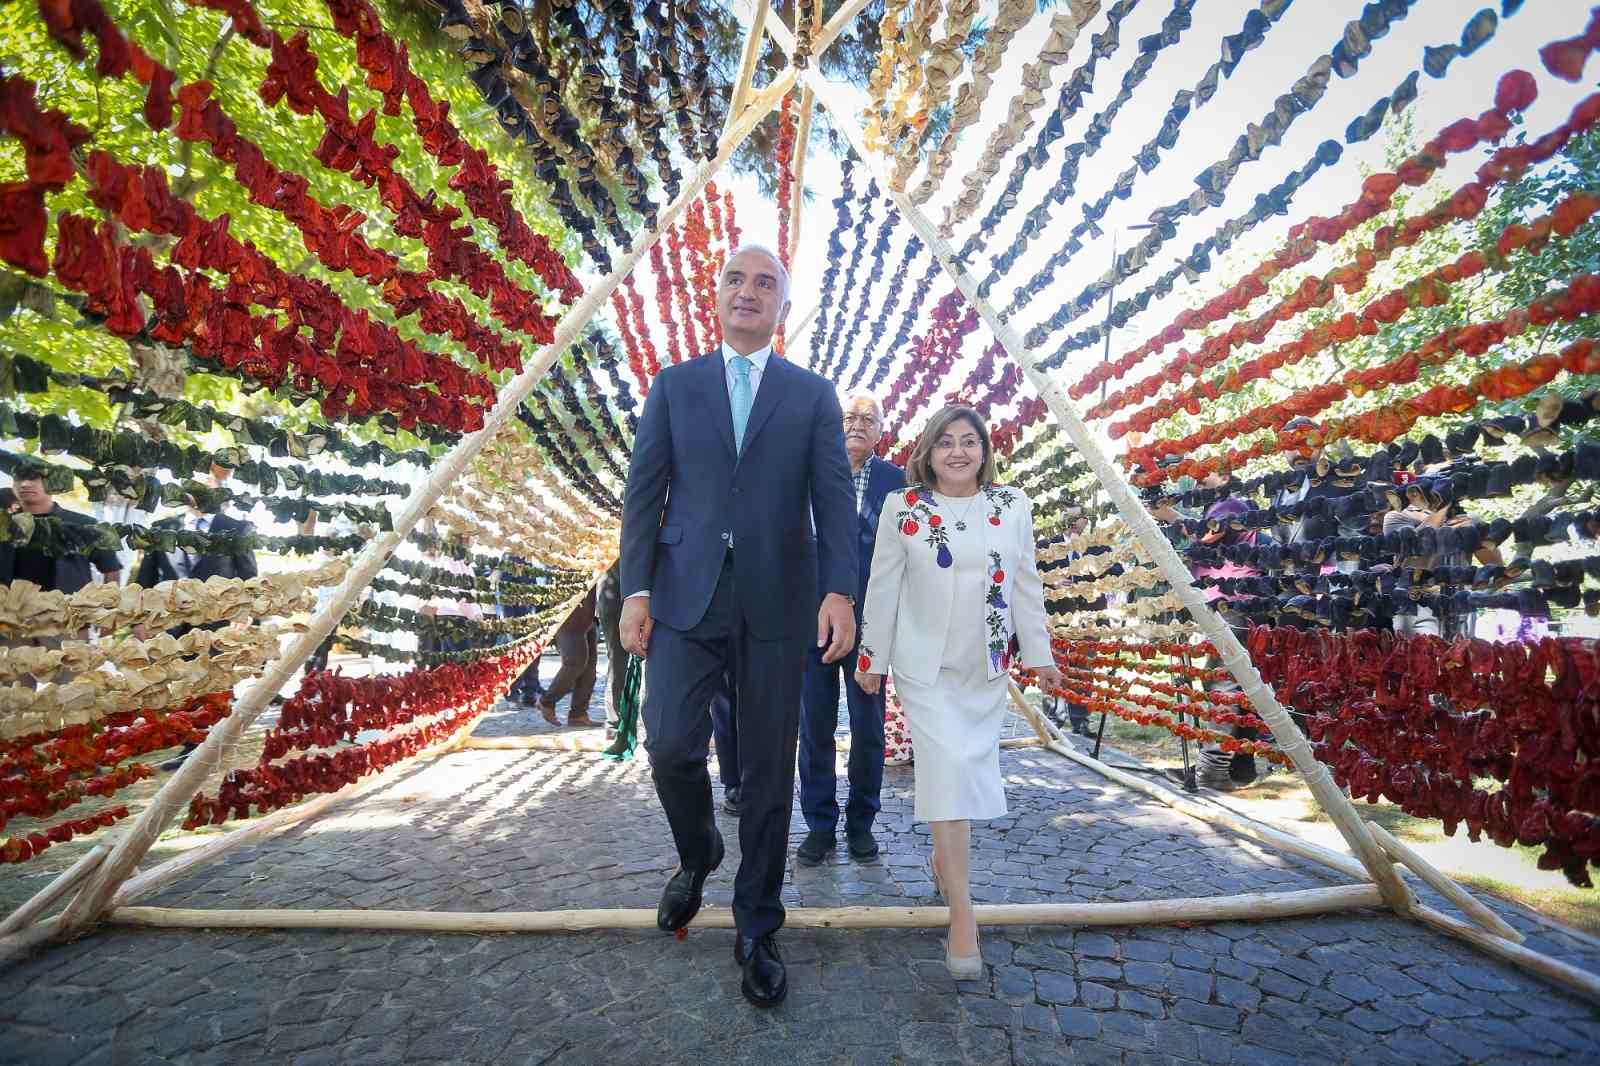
{"points": [[1373, 848], [101, 879], [100, 874]]}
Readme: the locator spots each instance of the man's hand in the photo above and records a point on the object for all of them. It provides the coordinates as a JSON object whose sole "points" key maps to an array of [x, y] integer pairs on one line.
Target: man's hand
{"points": [[636, 625], [836, 619], [1049, 675], [870, 683]]}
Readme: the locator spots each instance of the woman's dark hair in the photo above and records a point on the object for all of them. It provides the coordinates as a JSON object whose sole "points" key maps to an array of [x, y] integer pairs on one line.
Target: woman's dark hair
{"points": [[919, 470]]}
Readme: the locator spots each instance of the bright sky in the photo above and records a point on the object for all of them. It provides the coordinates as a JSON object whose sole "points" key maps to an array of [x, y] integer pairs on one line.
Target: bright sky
{"points": [[1307, 30]]}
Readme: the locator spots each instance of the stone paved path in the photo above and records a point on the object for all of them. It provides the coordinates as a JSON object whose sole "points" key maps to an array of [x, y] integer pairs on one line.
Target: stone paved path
{"points": [[492, 830]]}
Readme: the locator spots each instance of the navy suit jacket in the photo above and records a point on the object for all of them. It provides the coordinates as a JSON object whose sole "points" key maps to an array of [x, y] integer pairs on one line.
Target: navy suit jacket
{"points": [[883, 478], [689, 493]]}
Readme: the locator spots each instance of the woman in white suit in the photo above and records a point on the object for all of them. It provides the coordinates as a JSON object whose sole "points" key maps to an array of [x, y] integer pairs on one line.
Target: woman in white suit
{"points": [[954, 579]]}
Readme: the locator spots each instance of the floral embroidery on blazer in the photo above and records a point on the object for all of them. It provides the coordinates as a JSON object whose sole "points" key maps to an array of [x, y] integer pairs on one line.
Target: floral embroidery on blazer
{"points": [[908, 606]]}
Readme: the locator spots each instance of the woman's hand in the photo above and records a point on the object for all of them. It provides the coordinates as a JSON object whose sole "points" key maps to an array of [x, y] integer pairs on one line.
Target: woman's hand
{"points": [[870, 683], [1049, 675]]}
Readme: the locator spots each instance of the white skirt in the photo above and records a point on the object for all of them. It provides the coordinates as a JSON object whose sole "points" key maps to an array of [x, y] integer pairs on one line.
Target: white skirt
{"points": [[955, 732]]}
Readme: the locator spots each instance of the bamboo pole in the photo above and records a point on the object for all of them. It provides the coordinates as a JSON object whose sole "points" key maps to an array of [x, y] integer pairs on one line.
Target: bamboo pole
{"points": [[1401, 852], [802, 138], [1568, 976], [534, 742], [806, 321], [95, 897], [1234, 656], [42, 900], [1254, 906], [1041, 725], [747, 69], [1255, 830], [181, 866], [20, 943]]}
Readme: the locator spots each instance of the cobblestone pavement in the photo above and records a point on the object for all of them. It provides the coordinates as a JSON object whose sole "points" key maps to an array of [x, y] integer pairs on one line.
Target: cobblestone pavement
{"points": [[496, 830]]}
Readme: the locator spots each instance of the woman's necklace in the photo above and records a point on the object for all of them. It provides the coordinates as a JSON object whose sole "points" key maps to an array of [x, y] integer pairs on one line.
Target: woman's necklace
{"points": [[961, 519]]}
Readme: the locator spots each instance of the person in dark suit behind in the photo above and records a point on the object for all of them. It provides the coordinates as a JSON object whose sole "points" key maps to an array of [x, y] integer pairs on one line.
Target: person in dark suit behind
{"points": [[60, 573], [159, 566], [873, 479], [738, 458]]}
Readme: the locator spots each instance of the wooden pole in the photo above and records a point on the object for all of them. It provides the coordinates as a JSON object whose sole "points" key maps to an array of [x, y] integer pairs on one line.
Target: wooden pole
{"points": [[1265, 834], [181, 866], [96, 895], [42, 900], [802, 138], [1442, 884], [1564, 974], [1254, 906], [806, 321], [1234, 656], [20, 943], [535, 742], [747, 68], [1041, 725]]}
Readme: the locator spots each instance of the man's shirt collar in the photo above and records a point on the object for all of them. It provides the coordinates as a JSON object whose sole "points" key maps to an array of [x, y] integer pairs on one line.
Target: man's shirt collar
{"points": [[758, 357]]}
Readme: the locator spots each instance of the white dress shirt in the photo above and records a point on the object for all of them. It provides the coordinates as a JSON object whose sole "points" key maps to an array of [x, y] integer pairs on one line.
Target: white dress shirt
{"points": [[758, 359], [183, 562]]}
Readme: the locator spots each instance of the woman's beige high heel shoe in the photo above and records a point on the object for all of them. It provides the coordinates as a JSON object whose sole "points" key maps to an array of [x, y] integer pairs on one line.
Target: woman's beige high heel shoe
{"points": [[962, 967]]}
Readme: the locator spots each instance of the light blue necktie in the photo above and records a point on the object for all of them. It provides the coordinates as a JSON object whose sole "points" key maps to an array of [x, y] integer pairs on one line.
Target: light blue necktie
{"points": [[740, 399]]}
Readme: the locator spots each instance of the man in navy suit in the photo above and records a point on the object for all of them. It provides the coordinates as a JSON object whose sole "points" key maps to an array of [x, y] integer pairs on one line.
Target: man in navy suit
{"points": [[738, 501], [873, 479]]}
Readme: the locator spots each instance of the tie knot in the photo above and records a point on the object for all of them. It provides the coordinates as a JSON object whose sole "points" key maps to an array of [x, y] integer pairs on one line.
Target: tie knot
{"points": [[741, 366]]}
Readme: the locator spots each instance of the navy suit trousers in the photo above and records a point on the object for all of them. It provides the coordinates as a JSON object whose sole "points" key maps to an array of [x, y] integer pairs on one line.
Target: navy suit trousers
{"points": [[819, 717], [684, 672]]}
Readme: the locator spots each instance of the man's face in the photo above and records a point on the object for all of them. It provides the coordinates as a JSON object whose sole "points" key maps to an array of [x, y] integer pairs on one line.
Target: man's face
{"points": [[863, 427], [750, 299], [30, 491]]}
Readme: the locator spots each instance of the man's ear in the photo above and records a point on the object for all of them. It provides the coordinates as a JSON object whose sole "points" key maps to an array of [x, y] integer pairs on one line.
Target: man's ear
{"points": [[783, 312]]}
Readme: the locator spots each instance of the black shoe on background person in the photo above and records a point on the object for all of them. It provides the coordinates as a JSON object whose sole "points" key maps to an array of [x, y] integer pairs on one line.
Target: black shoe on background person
{"points": [[730, 801], [863, 846], [815, 846], [680, 900], [765, 981]]}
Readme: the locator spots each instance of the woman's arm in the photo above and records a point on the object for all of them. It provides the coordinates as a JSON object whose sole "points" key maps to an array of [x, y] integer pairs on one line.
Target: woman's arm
{"points": [[1028, 617], [879, 615]]}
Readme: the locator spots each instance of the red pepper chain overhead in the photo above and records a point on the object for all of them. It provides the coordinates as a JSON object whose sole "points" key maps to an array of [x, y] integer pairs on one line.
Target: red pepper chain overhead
{"points": [[292, 74], [1429, 290], [1516, 91], [1580, 299]]}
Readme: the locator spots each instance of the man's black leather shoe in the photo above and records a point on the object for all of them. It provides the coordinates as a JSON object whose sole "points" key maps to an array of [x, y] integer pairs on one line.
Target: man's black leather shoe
{"points": [[766, 981], [680, 900], [862, 845], [815, 846], [730, 801]]}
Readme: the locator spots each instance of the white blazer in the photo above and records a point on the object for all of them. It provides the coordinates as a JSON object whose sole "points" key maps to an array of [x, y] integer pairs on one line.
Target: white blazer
{"points": [[910, 597]]}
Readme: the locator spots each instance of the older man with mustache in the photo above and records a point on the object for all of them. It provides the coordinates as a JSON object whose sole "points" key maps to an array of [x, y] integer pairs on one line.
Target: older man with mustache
{"points": [[873, 479]]}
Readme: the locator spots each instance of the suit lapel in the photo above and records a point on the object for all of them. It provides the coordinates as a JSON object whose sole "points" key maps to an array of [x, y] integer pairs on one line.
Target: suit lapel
{"points": [[716, 384], [766, 398]]}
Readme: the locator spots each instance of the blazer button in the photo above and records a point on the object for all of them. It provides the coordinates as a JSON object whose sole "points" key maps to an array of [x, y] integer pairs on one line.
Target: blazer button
{"points": [[724, 536]]}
